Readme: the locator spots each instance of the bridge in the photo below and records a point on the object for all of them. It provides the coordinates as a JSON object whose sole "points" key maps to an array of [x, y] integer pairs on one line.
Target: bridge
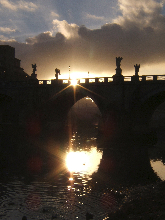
{"points": [[125, 102]]}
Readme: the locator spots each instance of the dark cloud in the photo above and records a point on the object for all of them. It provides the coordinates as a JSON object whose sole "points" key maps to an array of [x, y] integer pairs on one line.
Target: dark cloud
{"points": [[41, 38]]}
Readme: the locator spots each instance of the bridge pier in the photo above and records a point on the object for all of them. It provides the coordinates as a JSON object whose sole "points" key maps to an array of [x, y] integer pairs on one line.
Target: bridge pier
{"points": [[125, 141], [125, 166]]}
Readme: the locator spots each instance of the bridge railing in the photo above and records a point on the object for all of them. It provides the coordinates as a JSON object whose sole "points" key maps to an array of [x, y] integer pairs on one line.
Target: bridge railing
{"points": [[144, 78], [96, 80], [80, 81], [105, 79]]}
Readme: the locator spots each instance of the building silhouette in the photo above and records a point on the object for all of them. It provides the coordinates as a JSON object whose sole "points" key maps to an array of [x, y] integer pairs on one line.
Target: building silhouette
{"points": [[10, 69]]}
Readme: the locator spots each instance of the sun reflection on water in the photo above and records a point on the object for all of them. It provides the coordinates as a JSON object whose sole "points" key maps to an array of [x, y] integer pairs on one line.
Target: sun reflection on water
{"points": [[82, 164], [85, 162]]}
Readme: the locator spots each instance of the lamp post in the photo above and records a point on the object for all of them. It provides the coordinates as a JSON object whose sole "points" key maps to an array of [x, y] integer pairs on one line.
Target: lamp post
{"points": [[69, 72]]}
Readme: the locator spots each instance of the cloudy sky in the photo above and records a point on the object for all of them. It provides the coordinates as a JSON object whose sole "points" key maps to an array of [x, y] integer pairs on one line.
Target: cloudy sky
{"points": [[85, 35]]}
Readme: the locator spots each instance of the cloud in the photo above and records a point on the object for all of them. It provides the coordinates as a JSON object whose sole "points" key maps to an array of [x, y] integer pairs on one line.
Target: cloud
{"points": [[54, 14], [6, 40], [23, 5], [68, 30], [7, 30], [3, 38], [141, 13], [138, 36], [41, 38], [94, 17]]}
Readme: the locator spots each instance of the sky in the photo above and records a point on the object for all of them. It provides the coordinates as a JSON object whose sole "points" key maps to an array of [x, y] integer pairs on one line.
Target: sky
{"points": [[86, 35]]}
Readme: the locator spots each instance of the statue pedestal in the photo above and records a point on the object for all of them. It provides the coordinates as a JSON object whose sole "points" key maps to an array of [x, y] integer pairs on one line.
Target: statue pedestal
{"points": [[135, 78], [118, 78]]}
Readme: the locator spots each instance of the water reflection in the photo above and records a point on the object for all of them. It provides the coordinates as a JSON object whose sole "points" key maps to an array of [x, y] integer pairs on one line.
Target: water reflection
{"points": [[69, 196], [81, 165], [84, 161], [159, 168]]}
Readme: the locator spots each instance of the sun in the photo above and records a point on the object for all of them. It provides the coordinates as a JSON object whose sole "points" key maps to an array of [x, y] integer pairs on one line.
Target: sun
{"points": [[77, 76], [74, 82], [74, 78]]}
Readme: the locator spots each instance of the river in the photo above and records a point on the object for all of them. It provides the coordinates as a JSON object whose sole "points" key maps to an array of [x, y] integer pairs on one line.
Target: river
{"points": [[66, 190]]}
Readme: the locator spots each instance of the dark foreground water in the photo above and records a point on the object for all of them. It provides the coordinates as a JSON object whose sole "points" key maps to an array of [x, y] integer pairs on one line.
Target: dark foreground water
{"points": [[61, 194], [67, 190]]}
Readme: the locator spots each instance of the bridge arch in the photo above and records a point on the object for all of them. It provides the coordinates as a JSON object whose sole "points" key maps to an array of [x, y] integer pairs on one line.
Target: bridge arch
{"points": [[84, 118], [151, 103], [61, 104], [54, 112], [141, 116]]}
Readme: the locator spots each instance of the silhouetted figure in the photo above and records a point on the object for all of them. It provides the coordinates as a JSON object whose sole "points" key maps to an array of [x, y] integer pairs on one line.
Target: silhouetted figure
{"points": [[34, 66], [136, 69], [118, 62], [89, 216], [118, 76], [33, 75], [57, 73], [24, 218]]}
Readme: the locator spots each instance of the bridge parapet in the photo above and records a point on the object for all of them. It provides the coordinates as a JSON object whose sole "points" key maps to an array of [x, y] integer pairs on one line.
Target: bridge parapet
{"points": [[98, 80], [123, 98], [94, 80], [80, 81]]}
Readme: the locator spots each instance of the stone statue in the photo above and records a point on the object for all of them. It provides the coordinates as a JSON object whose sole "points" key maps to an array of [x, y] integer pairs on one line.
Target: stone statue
{"points": [[34, 66], [136, 69], [57, 72], [118, 61]]}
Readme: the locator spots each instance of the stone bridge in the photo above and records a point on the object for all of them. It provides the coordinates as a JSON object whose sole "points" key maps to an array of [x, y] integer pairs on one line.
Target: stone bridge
{"points": [[126, 103]]}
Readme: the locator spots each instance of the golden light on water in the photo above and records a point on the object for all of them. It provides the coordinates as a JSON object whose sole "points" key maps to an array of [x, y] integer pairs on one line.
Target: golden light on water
{"points": [[86, 162]]}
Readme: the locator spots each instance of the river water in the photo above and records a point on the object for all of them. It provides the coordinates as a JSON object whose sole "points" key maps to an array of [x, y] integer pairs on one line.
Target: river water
{"points": [[66, 191]]}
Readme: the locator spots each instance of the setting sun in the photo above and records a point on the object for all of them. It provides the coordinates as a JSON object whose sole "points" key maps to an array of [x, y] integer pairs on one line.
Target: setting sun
{"points": [[79, 75], [74, 82]]}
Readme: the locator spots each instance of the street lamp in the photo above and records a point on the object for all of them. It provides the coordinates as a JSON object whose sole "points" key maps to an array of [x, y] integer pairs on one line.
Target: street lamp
{"points": [[69, 72]]}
